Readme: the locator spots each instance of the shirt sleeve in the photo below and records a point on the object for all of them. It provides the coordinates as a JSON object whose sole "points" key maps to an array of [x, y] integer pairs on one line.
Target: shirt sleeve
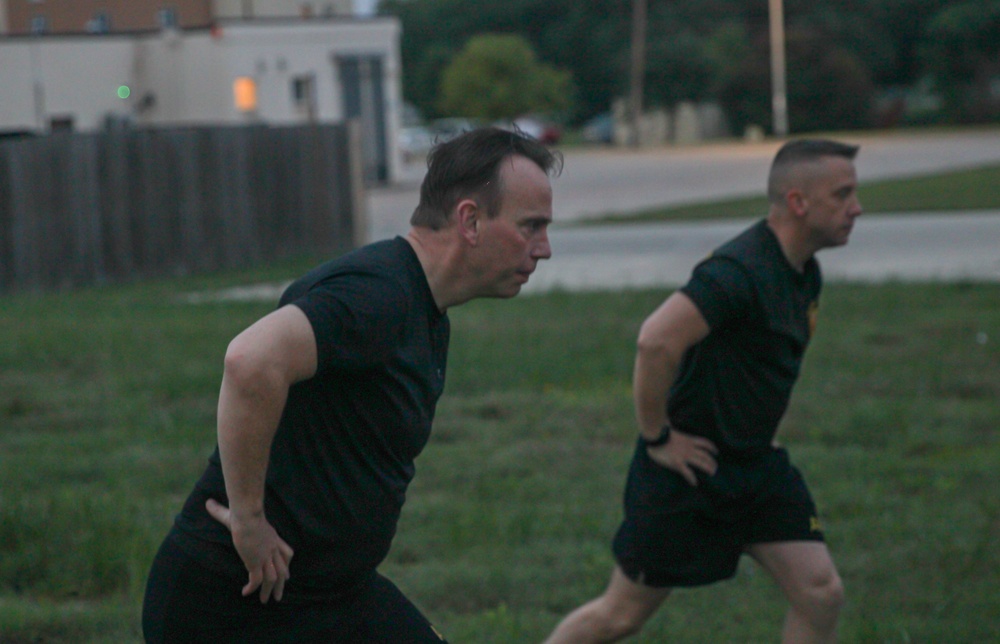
{"points": [[358, 319], [723, 291]]}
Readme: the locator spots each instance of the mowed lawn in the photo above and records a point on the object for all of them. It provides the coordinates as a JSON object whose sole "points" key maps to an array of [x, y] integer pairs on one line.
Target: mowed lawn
{"points": [[107, 401], [975, 188]]}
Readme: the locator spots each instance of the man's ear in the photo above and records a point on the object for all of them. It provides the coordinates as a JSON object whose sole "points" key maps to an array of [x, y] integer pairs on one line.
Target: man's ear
{"points": [[795, 200], [469, 215]]}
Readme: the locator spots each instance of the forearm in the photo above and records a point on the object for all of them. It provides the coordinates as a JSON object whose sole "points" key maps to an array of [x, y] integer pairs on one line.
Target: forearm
{"points": [[248, 418], [654, 374]]}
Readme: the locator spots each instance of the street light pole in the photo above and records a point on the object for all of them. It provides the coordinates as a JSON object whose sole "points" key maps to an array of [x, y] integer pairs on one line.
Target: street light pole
{"points": [[638, 67], [779, 98]]}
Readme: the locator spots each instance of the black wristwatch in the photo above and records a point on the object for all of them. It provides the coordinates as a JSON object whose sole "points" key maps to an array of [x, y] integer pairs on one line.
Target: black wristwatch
{"points": [[662, 439]]}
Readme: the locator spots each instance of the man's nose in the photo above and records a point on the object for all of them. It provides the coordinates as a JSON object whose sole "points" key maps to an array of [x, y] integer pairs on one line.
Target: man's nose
{"points": [[542, 249]]}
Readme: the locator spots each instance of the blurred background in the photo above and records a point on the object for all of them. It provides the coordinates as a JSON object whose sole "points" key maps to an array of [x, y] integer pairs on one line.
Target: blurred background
{"points": [[171, 137]]}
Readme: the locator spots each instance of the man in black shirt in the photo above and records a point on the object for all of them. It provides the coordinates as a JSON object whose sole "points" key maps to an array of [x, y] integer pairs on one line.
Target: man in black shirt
{"points": [[326, 402], [714, 371]]}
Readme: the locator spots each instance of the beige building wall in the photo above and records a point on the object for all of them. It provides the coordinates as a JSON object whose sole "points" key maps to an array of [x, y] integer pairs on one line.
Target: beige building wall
{"points": [[170, 77], [78, 16]]}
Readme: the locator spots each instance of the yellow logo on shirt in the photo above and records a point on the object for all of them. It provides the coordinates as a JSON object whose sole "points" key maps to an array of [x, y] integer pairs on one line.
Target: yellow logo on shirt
{"points": [[813, 316], [815, 525]]}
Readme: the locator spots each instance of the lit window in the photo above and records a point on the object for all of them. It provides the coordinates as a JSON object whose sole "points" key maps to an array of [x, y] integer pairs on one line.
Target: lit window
{"points": [[245, 94]]}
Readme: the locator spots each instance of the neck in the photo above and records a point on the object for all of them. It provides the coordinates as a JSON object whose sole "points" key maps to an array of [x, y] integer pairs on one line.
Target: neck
{"points": [[793, 242], [437, 257]]}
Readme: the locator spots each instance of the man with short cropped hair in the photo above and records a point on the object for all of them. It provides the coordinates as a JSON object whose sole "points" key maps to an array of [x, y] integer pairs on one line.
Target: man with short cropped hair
{"points": [[714, 371]]}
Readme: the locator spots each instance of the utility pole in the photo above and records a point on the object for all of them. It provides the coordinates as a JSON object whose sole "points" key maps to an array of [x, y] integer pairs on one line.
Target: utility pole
{"points": [[779, 97], [638, 68]]}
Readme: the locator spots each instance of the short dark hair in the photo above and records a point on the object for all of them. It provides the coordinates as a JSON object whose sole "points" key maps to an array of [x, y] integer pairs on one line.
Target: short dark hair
{"points": [[800, 151], [469, 165]]}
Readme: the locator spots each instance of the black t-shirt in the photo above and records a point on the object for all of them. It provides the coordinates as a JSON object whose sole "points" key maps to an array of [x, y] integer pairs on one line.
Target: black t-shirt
{"points": [[734, 386], [344, 451]]}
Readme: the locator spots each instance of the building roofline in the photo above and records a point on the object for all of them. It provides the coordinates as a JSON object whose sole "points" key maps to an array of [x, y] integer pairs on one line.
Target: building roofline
{"points": [[219, 22]]}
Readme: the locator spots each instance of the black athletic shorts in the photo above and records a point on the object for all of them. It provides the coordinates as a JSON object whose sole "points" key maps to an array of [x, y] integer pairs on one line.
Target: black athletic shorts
{"points": [[187, 603], [676, 534]]}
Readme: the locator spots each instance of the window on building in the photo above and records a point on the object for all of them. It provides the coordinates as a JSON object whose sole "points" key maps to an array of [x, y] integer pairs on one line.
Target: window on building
{"points": [[61, 123], [302, 89], [100, 23], [167, 17], [39, 25], [304, 96], [245, 94]]}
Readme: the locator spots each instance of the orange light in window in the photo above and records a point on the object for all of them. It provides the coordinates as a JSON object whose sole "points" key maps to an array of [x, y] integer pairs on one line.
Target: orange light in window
{"points": [[245, 94]]}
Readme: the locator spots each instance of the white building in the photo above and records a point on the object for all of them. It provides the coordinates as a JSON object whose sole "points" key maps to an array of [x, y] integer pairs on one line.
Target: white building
{"points": [[238, 71]]}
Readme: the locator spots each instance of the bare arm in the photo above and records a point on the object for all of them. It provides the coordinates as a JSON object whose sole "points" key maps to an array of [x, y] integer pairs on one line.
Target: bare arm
{"points": [[665, 336], [261, 364]]}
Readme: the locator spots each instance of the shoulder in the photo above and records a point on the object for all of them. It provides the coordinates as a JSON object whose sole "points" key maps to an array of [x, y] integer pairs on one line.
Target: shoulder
{"points": [[750, 246], [390, 260]]}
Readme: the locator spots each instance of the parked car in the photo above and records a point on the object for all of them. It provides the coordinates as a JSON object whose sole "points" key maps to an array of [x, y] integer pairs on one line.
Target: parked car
{"points": [[445, 129], [599, 129], [415, 141], [536, 127]]}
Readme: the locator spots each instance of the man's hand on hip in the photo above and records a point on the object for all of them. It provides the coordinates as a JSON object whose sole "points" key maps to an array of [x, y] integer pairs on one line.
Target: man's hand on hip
{"points": [[684, 453], [265, 554]]}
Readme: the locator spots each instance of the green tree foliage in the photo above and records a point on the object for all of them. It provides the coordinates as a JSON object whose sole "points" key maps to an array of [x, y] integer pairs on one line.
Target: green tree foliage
{"points": [[827, 87], [962, 52], [718, 49], [498, 76]]}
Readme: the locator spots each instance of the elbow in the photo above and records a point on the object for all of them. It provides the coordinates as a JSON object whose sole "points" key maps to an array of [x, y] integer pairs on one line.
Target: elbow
{"points": [[651, 344], [657, 348], [242, 366]]}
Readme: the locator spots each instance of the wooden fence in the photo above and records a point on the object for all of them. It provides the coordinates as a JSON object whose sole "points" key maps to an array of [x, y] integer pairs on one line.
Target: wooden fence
{"points": [[125, 204]]}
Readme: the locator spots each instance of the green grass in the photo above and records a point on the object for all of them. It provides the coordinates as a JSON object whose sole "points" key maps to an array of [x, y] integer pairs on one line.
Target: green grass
{"points": [[969, 189], [107, 400]]}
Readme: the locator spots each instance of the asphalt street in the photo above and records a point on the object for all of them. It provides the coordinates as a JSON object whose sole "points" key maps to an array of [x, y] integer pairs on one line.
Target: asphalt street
{"points": [[594, 182]]}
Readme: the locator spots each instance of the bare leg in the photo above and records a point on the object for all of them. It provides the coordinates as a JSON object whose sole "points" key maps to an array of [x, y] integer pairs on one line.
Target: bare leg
{"points": [[807, 576], [619, 612]]}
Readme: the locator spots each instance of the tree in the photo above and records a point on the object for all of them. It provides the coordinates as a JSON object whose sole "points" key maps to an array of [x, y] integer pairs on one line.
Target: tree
{"points": [[962, 52], [711, 49], [828, 87], [498, 76]]}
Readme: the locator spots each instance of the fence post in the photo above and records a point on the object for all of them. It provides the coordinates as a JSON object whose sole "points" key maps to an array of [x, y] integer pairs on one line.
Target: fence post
{"points": [[358, 199]]}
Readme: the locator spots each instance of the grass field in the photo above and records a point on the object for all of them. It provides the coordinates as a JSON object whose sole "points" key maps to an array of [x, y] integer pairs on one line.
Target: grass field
{"points": [[107, 401], [968, 189], [107, 404]]}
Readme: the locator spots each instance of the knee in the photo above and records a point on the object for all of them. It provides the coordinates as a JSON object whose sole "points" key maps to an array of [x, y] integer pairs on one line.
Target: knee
{"points": [[824, 595], [619, 621]]}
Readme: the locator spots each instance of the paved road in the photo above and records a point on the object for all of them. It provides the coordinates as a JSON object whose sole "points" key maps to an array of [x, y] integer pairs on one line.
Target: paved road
{"points": [[595, 182]]}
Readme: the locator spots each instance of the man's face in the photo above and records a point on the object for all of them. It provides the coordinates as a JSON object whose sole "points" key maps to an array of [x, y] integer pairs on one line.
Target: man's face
{"points": [[512, 242], [831, 198]]}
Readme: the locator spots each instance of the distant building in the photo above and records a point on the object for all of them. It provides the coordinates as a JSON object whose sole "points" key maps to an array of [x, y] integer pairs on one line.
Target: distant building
{"points": [[19, 17], [199, 64]]}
